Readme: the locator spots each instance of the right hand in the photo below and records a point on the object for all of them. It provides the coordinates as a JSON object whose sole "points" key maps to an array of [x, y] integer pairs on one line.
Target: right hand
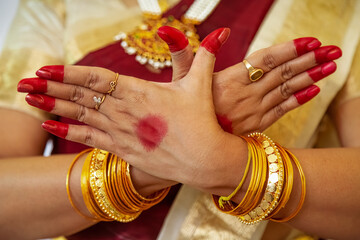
{"points": [[290, 71]]}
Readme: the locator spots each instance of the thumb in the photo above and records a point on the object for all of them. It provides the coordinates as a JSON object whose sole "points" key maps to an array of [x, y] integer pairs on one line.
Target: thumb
{"points": [[180, 49], [203, 64]]}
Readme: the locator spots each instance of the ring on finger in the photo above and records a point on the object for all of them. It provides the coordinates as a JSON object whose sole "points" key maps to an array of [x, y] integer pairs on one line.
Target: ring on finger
{"points": [[254, 73], [98, 101], [113, 84]]}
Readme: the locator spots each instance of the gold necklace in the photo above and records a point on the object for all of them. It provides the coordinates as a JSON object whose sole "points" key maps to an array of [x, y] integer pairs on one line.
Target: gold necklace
{"points": [[144, 42]]}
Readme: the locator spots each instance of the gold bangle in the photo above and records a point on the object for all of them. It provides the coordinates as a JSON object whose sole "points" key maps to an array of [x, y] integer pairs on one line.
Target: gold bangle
{"points": [[288, 183], [68, 185], [303, 190], [222, 199], [273, 190]]}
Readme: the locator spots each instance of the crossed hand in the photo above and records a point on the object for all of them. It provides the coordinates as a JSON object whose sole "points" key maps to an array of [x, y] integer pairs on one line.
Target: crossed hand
{"points": [[171, 130]]}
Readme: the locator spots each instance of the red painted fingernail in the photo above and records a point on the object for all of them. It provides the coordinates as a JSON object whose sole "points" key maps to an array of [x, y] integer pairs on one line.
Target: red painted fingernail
{"points": [[306, 44], [57, 128], [215, 40], [319, 72], [41, 101], [32, 85], [307, 94], [54, 72], [225, 123], [327, 53], [175, 39]]}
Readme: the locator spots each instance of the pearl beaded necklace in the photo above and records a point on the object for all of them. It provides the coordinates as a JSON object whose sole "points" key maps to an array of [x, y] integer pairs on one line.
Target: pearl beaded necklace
{"points": [[137, 42]]}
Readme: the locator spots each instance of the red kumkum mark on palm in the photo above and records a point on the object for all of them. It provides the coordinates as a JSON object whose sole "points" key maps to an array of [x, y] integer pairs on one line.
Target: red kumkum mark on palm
{"points": [[150, 131]]}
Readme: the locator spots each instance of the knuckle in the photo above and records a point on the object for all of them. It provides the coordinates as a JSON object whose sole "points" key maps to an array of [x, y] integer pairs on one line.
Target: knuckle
{"points": [[77, 94], [92, 79], [279, 111], [269, 60], [286, 71], [285, 90], [89, 137], [81, 114], [139, 97]]}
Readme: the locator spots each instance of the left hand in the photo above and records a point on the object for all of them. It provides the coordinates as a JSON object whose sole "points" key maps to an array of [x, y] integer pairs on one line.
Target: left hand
{"points": [[156, 127]]}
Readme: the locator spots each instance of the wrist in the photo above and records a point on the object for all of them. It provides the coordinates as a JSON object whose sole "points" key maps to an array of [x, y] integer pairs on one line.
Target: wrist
{"points": [[146, 184], [224, 169]]}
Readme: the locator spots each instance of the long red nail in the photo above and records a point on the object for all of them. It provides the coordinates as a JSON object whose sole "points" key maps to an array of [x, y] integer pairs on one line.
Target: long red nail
{"points": [[225, 123], [327, 53], [41, 101], [215, 40], [32, 85], [324, 70], [57, 128], [175, 39], [306, 44], [307, 94], [54, 72]]}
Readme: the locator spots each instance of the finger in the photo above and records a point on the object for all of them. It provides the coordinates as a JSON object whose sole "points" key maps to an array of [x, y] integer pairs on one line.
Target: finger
{"points": [[203, 63], [271, 57], [291, 68], [181, 52], [291, 103], [94, 78], [82, 134], [299, 82], [80, 95], [68, 109]]}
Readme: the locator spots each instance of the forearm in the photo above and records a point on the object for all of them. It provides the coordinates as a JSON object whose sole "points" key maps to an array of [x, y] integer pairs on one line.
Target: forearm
{"points": [[34, 202], [20, 134], [330, 208]]}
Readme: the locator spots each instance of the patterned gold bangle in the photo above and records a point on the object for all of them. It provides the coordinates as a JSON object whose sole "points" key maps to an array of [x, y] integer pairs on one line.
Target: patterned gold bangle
{"points": [[99, 191], [86, 190], [274, 183], [288, 182], [303, 189]]}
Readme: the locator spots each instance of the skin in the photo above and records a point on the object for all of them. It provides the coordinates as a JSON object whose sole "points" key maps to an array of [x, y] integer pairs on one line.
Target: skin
{"points": [[145, 183]]}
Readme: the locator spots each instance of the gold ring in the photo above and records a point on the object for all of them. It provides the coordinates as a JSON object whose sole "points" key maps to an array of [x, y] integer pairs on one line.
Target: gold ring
{"points": [[98, 101], [254, 73], [113, 84]]}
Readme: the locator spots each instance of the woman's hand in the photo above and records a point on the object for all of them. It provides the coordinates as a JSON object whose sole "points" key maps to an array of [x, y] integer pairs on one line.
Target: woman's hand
{"points": [[290, 70], [156, 127], [137, 105]]}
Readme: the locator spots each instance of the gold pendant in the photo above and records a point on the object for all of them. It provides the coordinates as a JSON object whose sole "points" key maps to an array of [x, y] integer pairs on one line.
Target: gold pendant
{"points": [[149, 47]]}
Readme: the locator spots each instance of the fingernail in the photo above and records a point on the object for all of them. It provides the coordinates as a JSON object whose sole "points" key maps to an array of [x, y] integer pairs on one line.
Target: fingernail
{"points": [[306, 44], [319, 72], [57, 128], [32, 85], [328, 53], [225, 123], [41, 101], [307, 94], [215, 40], [54, 72], [175, 39]]}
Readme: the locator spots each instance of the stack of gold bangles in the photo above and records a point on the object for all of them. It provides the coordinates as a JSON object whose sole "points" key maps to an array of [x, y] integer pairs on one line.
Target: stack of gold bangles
{"points": [[107, 189], [270, 184]]}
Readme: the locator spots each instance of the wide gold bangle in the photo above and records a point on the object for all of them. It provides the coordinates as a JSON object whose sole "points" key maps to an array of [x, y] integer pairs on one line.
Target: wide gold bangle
{"points": [[303, 189], [275, 180]]}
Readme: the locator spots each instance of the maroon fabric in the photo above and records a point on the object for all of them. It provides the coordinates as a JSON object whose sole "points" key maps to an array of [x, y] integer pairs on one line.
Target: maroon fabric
{"points": [[243, 17]]}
